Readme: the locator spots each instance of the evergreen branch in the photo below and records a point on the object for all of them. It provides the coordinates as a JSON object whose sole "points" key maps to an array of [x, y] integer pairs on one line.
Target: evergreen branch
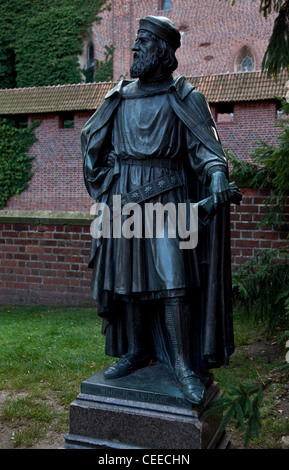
{"points": [[269, 168], [277, 53], [268, 6], [243, 403]]}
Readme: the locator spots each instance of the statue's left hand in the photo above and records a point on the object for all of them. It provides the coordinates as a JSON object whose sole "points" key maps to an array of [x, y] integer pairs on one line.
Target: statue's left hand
{"points": [[110, 161], [220, 188]]}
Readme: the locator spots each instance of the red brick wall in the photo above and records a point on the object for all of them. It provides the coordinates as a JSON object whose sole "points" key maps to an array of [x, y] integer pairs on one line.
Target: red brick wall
{"points": [[247, 237], [58, 183], [252, 122], [213, 32], [46, 264]]}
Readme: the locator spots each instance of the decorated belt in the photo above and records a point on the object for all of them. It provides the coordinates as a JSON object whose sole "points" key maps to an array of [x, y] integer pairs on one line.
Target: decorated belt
{"points": [[153, 188]]}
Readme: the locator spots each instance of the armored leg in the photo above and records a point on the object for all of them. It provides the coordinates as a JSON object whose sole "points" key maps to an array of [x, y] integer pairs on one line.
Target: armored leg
{"points": [[136, 356], [177, 320]]}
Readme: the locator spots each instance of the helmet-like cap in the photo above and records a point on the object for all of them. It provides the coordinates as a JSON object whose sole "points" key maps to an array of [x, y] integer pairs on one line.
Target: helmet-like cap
{"points": [[163, 28]]}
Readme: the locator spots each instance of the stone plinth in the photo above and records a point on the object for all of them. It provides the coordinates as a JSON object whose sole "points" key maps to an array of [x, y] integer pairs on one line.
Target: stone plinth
{"points": [[145, 410]]}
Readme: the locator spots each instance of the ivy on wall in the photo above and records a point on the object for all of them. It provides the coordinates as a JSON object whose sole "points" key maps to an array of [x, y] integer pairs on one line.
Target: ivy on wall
{"points": [[40, 41], [15, 164]]}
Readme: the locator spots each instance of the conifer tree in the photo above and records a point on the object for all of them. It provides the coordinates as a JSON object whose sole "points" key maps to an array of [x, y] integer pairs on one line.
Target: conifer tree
{"points": [[277, 54]]}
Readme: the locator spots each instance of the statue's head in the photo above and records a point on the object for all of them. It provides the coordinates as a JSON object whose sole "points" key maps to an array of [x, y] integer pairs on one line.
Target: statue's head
{"points": [[155, 46]]}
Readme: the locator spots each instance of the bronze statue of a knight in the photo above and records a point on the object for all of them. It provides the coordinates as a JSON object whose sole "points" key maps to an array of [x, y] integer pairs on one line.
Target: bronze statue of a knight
{"points": [[160, 302]]}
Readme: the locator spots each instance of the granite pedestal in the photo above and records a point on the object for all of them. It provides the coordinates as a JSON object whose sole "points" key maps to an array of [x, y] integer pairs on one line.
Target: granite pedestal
{"points": [[145, 410]]}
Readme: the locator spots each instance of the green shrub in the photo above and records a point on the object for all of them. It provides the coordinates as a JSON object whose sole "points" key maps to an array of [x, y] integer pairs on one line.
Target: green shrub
{"points": [[261, 287], [269, 169]]}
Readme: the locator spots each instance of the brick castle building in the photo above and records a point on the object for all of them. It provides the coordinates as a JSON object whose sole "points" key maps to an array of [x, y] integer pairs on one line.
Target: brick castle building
{"points": [[217, 37]]}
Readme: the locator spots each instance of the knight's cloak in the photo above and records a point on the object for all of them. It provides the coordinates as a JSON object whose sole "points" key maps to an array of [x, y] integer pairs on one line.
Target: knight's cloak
{"points": [[209, 281]]}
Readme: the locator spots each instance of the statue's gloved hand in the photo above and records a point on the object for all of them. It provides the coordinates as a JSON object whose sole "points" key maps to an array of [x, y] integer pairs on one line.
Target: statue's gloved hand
{"points": [[220, 188]]}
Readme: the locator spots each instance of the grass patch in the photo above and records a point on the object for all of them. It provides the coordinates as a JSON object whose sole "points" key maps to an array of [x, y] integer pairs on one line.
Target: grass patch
{"points": [[253, 363], [52, 346], [46, 353]]}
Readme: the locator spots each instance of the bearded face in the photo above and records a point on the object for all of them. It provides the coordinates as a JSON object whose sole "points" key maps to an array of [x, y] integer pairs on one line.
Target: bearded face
{"points": [[147, 56], [144, 64]]}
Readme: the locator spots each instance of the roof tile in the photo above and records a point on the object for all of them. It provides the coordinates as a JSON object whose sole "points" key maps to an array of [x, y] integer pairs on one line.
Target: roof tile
{"points": [[246, 86], [53, 98]]}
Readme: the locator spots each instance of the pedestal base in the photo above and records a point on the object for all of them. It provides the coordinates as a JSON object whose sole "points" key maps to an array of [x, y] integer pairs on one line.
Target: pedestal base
{"points": [[145, 410]]}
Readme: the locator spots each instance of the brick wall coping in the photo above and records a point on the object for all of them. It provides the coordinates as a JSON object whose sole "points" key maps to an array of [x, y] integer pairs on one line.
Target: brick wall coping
{"points": [[45, 217]]}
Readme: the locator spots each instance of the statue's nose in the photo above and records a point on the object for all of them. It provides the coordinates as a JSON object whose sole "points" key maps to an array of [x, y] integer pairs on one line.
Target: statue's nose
{"points": [[135, 47]]}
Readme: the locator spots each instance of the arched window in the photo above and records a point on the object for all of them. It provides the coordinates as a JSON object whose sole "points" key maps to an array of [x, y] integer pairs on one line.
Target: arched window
{"points": [[247, 64], [245, 61]]}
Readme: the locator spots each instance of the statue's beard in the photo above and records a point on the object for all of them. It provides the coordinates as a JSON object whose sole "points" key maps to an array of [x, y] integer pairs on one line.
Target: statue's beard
{"points": [[144, 64]]}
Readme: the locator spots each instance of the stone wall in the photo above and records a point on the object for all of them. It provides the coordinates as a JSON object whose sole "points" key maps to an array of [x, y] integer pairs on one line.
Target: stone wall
{"points": [[247, 237], [249, 123]]}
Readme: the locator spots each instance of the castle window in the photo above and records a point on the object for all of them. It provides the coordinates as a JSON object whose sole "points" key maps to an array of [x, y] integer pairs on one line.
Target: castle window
{"points": [[66, 120], [90, 63], [247, 64], [245, 61], [165, 5], [225, 112], [21, 121], [279, 110]]}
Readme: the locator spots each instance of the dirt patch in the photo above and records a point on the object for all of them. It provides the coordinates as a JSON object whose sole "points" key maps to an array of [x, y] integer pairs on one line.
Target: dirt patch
{"points": [[6, 430], [268, 350], [52, 440]]}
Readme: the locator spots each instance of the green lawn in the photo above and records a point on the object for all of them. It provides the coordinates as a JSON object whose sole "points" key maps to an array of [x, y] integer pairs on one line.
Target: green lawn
{"points": [[45, 353]]}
